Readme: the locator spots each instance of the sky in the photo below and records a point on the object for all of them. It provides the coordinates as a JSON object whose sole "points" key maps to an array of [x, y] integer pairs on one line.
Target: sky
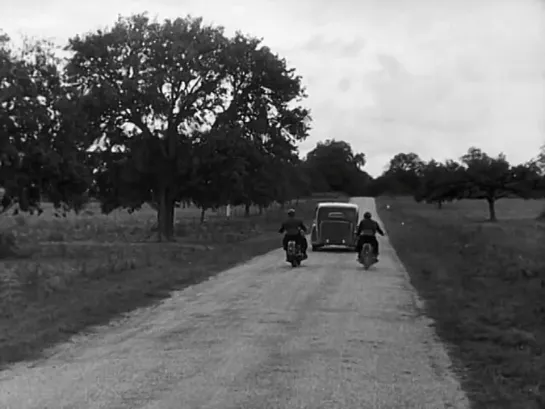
{"points": [[432, 77]]}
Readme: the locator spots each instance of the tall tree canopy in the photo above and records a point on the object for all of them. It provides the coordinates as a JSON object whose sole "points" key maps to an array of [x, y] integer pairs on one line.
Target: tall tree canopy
{"points": [[38, 155], [404, 171], [493, 178], [440, 182], [333, 165], [540, 161], [156, 92]]}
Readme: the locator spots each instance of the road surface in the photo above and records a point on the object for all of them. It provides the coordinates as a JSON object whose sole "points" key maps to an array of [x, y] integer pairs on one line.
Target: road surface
{"points": [[261, 335]]}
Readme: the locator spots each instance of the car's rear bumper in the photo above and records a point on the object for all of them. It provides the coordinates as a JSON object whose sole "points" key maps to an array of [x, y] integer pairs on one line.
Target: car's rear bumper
{"points": [[333, 234], [327, 244]]}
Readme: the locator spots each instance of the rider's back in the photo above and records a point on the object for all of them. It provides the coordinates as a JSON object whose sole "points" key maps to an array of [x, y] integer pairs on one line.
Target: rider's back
{"points": [[368, 227], [292, 226]]}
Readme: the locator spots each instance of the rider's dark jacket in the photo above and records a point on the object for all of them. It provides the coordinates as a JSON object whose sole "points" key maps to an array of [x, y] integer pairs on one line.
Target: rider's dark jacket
{"points": [[369, 227], [292, 227]]}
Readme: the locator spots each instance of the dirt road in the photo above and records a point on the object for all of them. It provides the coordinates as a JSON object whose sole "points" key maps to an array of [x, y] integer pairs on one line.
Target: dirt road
{"points": [[262, 335]]}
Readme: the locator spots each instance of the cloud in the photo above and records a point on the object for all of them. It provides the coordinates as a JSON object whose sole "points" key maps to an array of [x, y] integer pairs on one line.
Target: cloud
{"points": [[344, 84], [424, 102], [392, 66], [319, 43]]}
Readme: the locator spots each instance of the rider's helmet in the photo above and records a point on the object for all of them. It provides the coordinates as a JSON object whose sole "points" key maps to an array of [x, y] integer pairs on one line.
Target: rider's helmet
{"points": [[367, 215], [291, 212]]}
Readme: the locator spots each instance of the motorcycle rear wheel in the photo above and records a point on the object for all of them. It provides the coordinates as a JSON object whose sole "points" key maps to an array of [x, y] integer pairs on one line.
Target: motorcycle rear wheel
{"points": [[366, 257]]}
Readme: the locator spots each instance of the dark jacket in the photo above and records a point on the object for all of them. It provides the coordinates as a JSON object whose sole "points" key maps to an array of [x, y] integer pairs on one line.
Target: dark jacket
{"points": [[292, 227], [369, 227]]}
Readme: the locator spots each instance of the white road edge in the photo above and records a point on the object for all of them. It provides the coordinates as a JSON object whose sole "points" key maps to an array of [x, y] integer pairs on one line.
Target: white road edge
{"points": [[260, 335]]}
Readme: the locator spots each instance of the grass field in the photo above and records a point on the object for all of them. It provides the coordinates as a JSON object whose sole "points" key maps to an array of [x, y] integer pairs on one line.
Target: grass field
{"points": [[84, 270], [484, 284]]}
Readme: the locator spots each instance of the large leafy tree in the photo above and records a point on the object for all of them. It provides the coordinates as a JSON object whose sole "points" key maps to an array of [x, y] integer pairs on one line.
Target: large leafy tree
{"points": [[334, 165], [493, 178], [260, 180], [263, 120], [440, 182], [404, 172], [540, 161], [147, 85], [217, 171], [39, 155], [157, 91], [265, 111]]}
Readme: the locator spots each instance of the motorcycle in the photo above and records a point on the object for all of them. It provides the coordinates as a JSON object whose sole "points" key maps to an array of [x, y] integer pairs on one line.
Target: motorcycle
{"points": [[294, 255], [366, 256]]}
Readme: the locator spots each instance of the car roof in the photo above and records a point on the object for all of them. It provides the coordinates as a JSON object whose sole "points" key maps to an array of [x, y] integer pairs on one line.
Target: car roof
{"points": [[338, 204]]}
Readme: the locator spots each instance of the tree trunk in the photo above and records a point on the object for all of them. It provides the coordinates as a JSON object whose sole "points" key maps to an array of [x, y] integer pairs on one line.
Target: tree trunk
{"points": [[161, 215], [246, 210], [203, 212], [492, 209], [165, 216], [169, 232]]}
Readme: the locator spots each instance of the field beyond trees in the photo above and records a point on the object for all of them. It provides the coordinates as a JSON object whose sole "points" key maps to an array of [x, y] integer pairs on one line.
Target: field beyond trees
{"points": [[484, 284]]}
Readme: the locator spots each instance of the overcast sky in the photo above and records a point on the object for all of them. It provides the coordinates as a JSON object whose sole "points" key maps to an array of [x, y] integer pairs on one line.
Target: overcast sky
{"points": [[388, 76]]}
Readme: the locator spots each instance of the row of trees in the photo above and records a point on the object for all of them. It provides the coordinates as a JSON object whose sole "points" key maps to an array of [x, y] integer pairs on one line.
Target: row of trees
{"points": [[333, 166], [173, 112], [149, 112], [476, 175], [160, 113]]}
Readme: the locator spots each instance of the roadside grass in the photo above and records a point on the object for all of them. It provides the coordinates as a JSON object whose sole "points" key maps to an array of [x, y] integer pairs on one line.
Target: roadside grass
{"points": [[76, 272], [484, 284]]}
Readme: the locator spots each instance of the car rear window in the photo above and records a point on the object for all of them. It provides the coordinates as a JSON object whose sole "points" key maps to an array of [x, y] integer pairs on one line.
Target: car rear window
{"points": [[340, 213]]}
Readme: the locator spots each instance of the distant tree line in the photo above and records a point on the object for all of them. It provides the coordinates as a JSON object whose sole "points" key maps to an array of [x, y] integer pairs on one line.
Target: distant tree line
{"points": [[333, 166], [476, 175]]}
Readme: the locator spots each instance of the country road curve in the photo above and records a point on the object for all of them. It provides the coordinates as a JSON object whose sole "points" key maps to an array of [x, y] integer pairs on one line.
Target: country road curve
{"points": [[260, 335]]}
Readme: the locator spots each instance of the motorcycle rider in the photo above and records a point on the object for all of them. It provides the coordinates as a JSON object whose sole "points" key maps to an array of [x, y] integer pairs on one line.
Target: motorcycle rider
{"points": [[367, 230], [294, 229]]}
